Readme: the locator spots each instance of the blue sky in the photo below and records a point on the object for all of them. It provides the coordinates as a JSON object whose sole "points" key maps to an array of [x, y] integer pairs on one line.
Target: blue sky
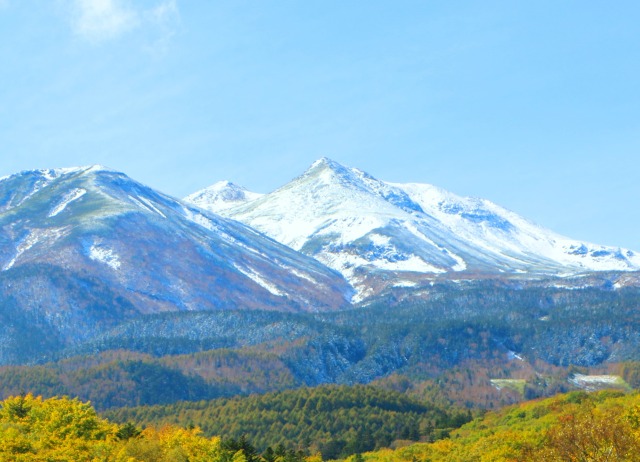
{"points": [[533, 105]]}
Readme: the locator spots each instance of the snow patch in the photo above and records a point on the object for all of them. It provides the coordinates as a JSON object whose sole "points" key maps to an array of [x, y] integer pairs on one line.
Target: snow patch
{"points": [[139, 204], [416, 232], [460, 265], [346, 262], [513, 355], [71, 196], [103, 254], [147, 205], [302, 275], [206, 223], [55, 173], [199, 219], [38, 186], [153, 207], [258, 279], [362, 292], [24, 245], [49, 175], [405, 284], [380, 240]]}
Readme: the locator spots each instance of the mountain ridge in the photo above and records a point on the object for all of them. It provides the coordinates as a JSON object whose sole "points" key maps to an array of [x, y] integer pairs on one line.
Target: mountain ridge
{"points": [[381, 235]]}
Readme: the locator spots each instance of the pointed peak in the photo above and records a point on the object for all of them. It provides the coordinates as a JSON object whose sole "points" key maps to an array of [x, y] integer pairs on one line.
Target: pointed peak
{"points": [[329, 172], [221, 195], [224, 185], [325, 162], [224, 188], [328, 166]]}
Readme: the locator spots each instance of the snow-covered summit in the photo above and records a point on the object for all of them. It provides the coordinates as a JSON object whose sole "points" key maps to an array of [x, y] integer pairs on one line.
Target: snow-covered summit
{"points": [[221, 195], [381, 234], [329, 172]]}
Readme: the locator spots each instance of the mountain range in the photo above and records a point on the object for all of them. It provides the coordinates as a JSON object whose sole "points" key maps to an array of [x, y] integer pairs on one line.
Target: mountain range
{"points": [[92, 260], [381, 235]]}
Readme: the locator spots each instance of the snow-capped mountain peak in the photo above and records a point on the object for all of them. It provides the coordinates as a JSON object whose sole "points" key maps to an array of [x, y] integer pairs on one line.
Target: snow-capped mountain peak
{"points": [[220, 196], [330, 172], [380, 234]]}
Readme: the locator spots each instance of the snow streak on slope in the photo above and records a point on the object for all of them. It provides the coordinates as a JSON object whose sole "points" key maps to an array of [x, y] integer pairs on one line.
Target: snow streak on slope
{"points": [[262, 282], [24, 245], [44, 237], [145, 204], [73, 195]]}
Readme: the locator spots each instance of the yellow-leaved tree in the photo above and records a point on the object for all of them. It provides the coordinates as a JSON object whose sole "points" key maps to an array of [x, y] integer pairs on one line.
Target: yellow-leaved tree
{"points": [[34, 429], [61, 429]]}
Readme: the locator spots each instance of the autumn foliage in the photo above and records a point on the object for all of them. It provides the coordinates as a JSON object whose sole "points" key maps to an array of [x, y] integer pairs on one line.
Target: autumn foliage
{"points": [[62, 429], [578, 426], [574, 427]]}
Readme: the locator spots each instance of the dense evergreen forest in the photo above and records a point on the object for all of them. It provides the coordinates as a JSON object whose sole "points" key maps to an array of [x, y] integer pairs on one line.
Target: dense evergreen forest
{"points": [[334, 420]]}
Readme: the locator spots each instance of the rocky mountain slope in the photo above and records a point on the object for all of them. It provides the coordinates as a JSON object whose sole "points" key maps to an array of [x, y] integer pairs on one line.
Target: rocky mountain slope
{"points": [[85, 248], [381, 235]]}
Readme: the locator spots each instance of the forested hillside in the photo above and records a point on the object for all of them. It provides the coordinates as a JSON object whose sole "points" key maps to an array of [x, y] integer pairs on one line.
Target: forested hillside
{"points": [[334, 420], [123, 378], [455, 344]]}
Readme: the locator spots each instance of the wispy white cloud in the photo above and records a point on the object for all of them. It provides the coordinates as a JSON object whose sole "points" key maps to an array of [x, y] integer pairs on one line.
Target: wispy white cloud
{"points": [[103, 20], [99, 20]]}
